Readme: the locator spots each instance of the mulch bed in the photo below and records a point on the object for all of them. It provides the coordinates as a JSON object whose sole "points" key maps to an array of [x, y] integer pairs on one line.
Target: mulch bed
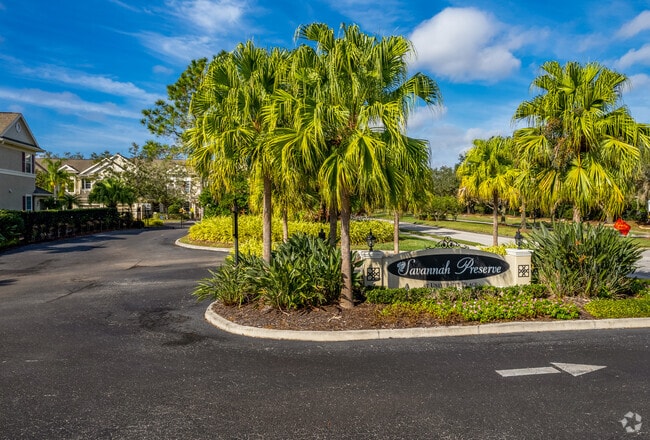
{"points": [[332, 318]]}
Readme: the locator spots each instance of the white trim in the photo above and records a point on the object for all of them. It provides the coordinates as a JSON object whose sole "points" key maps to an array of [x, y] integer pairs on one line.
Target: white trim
{"points": [[17, 173]]}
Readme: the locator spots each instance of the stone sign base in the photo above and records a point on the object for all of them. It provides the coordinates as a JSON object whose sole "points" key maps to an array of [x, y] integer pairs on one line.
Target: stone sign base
{"points": [[441, 267]]}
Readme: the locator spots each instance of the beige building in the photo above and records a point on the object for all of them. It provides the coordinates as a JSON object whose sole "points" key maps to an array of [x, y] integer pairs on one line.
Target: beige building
{"points": [[84, 173], [18, 149]]}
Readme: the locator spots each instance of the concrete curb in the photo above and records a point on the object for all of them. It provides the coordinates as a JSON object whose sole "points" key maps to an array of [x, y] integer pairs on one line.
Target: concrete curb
{"points": [[459, 330], [201, 248]]}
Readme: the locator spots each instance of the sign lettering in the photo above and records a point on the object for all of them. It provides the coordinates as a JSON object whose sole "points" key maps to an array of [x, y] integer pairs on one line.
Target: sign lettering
{"points": [[448, 267]]}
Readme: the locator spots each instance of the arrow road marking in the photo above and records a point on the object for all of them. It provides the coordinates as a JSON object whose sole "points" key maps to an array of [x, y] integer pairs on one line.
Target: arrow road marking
{"points": [[577, 369], [527, 371], [572, 369]]}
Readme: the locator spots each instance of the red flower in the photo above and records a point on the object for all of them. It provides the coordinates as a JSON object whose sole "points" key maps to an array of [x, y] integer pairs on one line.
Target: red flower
{"points": [[622, 227]]}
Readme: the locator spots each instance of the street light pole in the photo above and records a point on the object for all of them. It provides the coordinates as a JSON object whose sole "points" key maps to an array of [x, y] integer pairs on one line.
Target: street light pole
{"points": [[235, 229]]}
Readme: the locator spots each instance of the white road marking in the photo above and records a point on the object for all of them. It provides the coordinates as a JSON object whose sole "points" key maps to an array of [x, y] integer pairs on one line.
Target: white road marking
{"points": [[573, 369], [527, 371], [577, 369]]}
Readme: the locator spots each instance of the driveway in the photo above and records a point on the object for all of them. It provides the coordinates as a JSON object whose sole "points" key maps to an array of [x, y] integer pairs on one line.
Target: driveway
{"points": [[101, 339]]}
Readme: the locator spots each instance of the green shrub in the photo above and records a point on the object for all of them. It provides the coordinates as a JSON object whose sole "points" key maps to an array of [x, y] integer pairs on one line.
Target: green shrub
{"points": [[304, 272], [578, 259], [155, 223], [233, 284], [11, 226], [219, 229], [486, 309], [499, 250], [620, 308], [469, 293]]}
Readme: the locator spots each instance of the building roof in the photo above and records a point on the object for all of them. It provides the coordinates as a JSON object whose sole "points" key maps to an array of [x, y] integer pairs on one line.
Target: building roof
{"points": [[12, 133]]}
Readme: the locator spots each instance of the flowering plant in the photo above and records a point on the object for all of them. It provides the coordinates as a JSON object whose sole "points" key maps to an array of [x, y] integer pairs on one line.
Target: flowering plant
{"points": [[621, 226]]}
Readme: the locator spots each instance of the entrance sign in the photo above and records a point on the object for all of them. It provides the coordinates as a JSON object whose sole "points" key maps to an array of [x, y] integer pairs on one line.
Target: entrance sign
{"points": [[448, 266]]}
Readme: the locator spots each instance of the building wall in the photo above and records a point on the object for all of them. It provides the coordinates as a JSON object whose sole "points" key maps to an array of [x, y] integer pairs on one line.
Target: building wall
{"points": [[13, 186], [10, 159]]}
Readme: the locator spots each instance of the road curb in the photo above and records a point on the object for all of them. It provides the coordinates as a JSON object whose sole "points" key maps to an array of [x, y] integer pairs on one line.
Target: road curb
{"points": [[430, 332], [201, 248]]}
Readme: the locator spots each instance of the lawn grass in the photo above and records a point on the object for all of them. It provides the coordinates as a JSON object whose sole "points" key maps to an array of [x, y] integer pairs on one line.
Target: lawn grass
{"points": [[482, 224]]}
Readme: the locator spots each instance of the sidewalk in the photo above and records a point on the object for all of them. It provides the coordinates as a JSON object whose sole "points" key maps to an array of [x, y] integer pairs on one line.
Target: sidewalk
{"points": [[473, 237]]}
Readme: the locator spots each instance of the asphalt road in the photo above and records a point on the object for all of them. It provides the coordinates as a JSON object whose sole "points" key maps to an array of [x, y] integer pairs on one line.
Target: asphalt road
{"points": [[101, 339]]}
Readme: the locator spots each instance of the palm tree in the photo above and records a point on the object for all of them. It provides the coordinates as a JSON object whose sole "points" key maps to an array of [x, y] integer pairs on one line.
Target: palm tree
{"points": [[583, 146], [229, 135], [56, 176], [111, 192], [348, 117], [69, 200], [487, 173]]}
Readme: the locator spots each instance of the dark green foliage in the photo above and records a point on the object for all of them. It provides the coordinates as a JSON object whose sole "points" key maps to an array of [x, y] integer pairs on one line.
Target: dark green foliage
{"points": [[439, 207], [477, 303], [469, 293], [578, 259], [304, 272], [445, 182], [47, 225], [11, 226], [233, 284], [222, 204]]}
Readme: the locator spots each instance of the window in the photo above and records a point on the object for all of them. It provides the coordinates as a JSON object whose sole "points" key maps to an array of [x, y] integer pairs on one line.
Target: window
{"points": [[86, 184], [187, 187], [27, 203], [28, 163]]}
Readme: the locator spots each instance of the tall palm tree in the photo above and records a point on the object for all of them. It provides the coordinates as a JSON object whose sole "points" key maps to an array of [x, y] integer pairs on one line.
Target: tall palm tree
{"points": [[582, 144], [112, 192], [348, 118], [56, 176], [229, 135], [487, 173]]}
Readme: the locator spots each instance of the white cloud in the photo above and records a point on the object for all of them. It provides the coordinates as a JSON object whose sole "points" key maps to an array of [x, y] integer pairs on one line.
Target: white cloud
{"points": [[465, 44], [98, 83], [639, 81], [162, 70], [92, 137], [124, 5], [181, 48], [639, 24], [634, 56], [66, 103], [210, 15]]}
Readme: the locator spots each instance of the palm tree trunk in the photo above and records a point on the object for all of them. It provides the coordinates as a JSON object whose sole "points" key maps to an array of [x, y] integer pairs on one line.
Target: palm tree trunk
{"points": [[495, 219], [396, 231], [523, 215], [285, 224], [346, 299], [333, 218], [266, 221], [577, 217]]}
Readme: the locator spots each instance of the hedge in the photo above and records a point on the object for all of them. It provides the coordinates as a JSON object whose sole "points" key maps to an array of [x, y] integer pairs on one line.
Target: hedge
{"points": [[37, 226], [219, 229]]}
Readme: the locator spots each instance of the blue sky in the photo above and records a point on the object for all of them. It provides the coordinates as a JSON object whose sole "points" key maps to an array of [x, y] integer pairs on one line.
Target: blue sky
{"points": [[82, 71]]}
